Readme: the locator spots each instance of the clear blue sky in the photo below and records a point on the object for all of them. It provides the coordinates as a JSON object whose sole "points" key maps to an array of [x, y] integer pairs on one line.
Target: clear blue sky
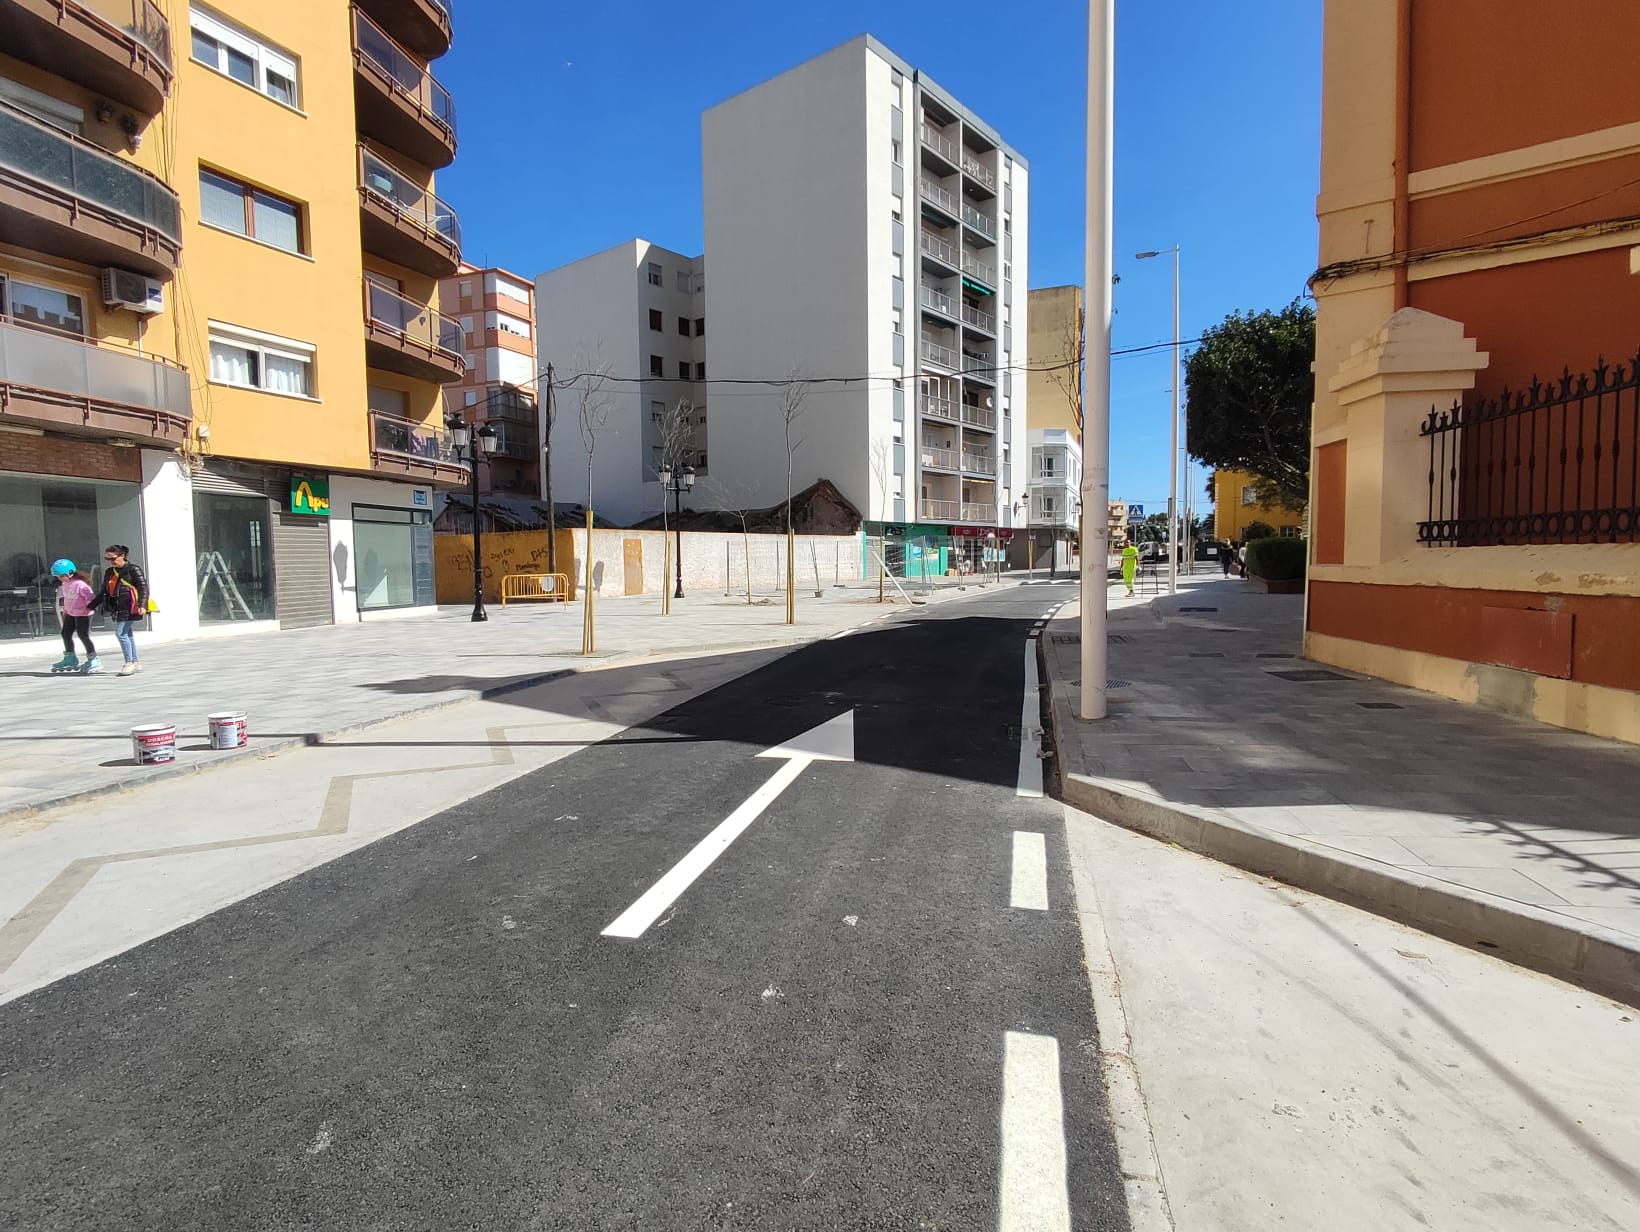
{"points": [[580, 127]]}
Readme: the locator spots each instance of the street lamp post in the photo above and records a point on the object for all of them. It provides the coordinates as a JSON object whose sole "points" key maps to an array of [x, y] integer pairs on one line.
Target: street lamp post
{"points": [[472, 445], [1173, 535], [677, 483], [1030, 539]]}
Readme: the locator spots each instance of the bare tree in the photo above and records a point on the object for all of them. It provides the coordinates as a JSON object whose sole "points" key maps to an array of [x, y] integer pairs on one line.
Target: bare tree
{"points": [[881, 472], [591, 384], [1066, 370], [794, 394], [734, 501]]}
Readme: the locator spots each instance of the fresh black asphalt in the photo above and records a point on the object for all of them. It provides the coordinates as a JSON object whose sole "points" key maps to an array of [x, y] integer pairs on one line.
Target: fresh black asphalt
{"points": [[430, 1033]]}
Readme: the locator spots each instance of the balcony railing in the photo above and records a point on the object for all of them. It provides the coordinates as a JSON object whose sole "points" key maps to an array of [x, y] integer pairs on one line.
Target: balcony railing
{"points": [[939, 301], [983, 270], [979, 416], [419, 441], [939, 249], [977, 170], [514, 440], [377, 47], [416, 322], [939, 459], [978, 463], [81, 384], [978, 319], [942, 510], [940, 197], [979, 222], [424, 26], [141, 20], [972, 512], [408, 199], [945, 356], [939, 143], [940, 408], [87, 175]]}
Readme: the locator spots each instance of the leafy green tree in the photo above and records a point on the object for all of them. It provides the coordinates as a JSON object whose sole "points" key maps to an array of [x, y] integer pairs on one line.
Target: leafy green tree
{"points": [[1249, 387]]}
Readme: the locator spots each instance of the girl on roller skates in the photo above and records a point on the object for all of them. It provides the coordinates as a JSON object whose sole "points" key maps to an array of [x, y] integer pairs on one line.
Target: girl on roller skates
{"points": [[77, 599]]}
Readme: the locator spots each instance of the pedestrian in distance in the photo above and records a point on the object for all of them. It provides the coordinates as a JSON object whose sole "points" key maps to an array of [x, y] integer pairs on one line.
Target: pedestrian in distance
{"points": [[1130, 566], [1226, 554], [75, 596], [124, 594]]}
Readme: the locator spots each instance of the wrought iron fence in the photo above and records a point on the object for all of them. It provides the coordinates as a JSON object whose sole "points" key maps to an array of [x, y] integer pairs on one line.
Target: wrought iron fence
{"points": [[1555, 463]]}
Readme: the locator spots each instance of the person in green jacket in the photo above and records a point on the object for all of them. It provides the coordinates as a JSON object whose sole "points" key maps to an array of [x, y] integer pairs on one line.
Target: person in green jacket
{"points": [[1130, 566]]}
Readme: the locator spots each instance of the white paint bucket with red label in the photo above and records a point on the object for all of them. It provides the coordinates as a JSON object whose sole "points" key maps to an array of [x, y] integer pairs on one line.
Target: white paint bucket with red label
{"points": [[228, 731], [154, 743]]}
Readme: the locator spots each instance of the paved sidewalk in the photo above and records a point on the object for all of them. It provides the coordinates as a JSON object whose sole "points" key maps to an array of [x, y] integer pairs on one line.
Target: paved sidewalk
{"points": [[64, 736], [1519, 837]]}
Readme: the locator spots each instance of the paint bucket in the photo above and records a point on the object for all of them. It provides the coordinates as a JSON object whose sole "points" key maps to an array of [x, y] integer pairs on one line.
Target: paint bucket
{"points": [[154, 743], [228, 730]]}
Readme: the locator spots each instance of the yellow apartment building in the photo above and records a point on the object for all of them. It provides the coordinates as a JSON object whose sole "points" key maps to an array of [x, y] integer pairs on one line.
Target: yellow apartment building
{"points": [[1236, 507], [219, 255], [1054, 341]]}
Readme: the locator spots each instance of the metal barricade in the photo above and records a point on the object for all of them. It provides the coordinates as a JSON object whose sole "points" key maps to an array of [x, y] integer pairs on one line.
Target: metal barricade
{"points": [[548, 587]]}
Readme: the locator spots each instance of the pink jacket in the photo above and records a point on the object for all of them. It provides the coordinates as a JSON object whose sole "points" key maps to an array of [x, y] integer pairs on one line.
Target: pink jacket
{"points": [[76, 596]]}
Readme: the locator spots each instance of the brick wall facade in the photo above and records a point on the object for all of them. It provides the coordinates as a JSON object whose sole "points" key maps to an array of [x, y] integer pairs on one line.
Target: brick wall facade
{"points": [[67, 456]]}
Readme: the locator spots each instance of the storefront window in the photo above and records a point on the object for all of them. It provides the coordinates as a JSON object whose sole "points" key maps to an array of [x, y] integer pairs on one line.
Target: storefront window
{"points": [[235, 558], [393, 555], [44, 518]]}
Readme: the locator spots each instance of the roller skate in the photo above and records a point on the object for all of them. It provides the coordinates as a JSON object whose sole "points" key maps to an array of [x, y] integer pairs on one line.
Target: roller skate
{"points": [[68, 663], [92, 664]]}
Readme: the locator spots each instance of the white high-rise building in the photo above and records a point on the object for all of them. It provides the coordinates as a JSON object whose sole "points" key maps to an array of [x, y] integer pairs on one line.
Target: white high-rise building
{"points": [[636, 312], [869, 231]]}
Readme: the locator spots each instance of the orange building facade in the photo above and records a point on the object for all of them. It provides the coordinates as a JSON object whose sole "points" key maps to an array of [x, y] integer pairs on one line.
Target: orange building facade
{"points": [[495, 311], [1476, 472]]}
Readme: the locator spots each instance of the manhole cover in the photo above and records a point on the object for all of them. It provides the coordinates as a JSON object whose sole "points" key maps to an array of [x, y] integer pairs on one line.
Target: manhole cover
{"points": [[1114, 639], [1118, 684], [1307, 675], [1198, 609], [1379, 706], [1207, 654], [1276, 654]]}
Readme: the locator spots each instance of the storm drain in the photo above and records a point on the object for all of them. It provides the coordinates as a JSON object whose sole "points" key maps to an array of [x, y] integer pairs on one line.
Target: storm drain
{"points": [[1207, 654], [1379, 706], [1198, 609], [1310, 675], [1275, 654]]}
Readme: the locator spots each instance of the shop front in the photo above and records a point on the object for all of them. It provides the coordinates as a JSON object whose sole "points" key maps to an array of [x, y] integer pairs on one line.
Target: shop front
{"points": [[262, 546], [381, 548]]}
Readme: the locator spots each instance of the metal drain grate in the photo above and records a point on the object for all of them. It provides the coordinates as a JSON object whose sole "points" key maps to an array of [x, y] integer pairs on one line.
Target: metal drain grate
{"points": [[1277, 654], [1067, 639], [1207, 654], [1380, 706], [1118, 684], [1198, 609], [1308, 675]]}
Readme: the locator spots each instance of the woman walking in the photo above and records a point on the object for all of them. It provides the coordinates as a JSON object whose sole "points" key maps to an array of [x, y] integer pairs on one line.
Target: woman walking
{"points": [[77, 601], [1130, 566], [125, 594]]}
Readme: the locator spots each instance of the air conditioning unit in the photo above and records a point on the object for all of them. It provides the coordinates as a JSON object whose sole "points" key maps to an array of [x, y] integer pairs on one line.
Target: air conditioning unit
{"points": [[123, 289]]}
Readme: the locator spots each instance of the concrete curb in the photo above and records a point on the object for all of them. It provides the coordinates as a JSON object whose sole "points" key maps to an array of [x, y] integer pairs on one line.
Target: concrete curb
{"points": [[1601, 960]]}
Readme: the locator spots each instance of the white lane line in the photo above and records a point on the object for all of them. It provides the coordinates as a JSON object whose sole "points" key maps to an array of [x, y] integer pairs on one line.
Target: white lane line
{"points": [[1034, 1195], [839, 635], [632, 922], [1029, 888], [1030, 729]]}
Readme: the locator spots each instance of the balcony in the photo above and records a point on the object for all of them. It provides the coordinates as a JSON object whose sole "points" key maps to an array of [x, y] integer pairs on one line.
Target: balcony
{"points": [[512, 405], [978, 464], [979, 319], [972, 512], [941, 250], [981, 368], [982, 271], [421, 452], [933, 139], [978, 222], [938, 301], [70, 385], [945, 356], [944, 199], [400, 220], [979, 417], [400, 103], [63, 196], [941, 510], [935, 459], [409, 338], [421, 25], [515, 441], [940, 408], [978, 172], [120, 49]]}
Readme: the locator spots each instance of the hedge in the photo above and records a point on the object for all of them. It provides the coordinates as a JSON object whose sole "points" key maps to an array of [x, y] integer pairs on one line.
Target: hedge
{"points": [[1276, 559]]}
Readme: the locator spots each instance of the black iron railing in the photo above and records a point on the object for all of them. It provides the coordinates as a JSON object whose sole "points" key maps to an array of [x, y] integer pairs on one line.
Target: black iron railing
{"points": [[1555, 463]]}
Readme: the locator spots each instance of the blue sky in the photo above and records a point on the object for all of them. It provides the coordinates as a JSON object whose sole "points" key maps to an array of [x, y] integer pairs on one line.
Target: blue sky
{"points": [[580, 127]]}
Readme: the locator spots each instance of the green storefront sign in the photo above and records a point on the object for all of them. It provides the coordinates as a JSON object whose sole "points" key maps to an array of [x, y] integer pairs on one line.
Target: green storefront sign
{"points": [[310, 496]]}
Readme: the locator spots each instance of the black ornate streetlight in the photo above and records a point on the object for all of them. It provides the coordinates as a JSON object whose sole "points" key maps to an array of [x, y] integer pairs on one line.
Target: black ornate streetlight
{"points": [[677, 483], [472, 445]]}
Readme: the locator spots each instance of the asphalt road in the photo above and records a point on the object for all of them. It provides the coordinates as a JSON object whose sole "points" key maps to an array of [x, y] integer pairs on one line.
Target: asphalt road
{"points": [[433, 1033]]}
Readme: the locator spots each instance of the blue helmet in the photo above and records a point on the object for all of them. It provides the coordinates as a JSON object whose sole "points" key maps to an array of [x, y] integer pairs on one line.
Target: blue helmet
{"points": [[62, 568]]}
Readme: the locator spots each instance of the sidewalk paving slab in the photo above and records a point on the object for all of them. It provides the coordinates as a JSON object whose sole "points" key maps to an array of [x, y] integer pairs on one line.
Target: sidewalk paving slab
{"points": [[1518, 837]]}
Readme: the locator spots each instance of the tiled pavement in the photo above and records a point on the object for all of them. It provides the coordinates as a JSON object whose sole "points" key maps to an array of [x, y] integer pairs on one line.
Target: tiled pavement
{"points": [[1441, 794]]}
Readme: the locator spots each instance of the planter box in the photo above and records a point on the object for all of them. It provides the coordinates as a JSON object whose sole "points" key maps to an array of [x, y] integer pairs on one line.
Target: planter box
{"points": [[1286, 586]]}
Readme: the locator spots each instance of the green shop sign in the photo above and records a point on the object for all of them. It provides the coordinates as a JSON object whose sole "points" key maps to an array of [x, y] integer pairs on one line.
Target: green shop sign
{"points": [[310, 496]]}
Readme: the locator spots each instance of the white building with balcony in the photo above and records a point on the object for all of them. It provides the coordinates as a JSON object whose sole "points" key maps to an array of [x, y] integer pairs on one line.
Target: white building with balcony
{"points": [[868, 231], [1054, 496]]}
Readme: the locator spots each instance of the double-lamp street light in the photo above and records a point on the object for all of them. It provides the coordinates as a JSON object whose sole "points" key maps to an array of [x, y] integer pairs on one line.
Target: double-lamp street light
{"points": [[471, 446], [677, 483]]}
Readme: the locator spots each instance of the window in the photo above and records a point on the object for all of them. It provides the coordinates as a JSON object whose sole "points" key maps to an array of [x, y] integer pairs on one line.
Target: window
{"points": [[229, 205], [43, 517], [657, 412], [470, 398], [235, 52], [656, 320], [1249, 495], [700, 371], [683, 369], [499, 285], [700, 327], [683, 281], [42, 307], [683, 327], [896, 153], [506, 323], [393, 557], [466, 286], [656, 276], [254, 360], [235, 546], [657, 366], [43, 107], [1049, 466], [1291, 532], [700, 460]]}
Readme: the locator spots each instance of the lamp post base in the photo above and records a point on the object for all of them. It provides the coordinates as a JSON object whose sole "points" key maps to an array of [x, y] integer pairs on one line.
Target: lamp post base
{"points": [[479, 613]]}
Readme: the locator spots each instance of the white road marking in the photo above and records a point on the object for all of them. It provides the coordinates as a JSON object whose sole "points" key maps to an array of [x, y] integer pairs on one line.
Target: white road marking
{"points": [[832, 740], [1030, 881], [1030, 729], [1034, 1197]]}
